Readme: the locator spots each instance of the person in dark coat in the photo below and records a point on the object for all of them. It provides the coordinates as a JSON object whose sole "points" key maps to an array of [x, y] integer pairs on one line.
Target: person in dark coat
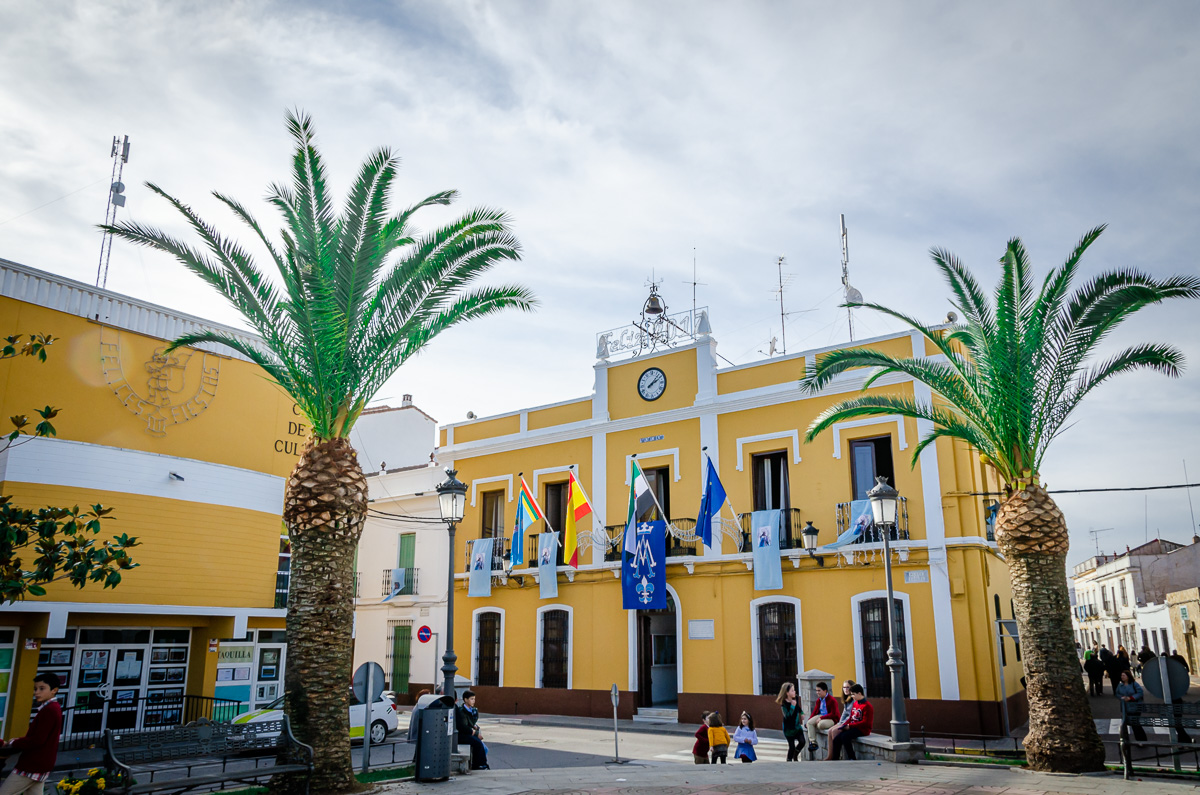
{"points": [[466, 721], [1095, 673]]}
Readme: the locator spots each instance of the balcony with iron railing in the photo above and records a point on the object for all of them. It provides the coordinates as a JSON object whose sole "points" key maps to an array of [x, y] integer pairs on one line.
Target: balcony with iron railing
{"points": [[790, 536], [409, 588], [499, 554], [873, 534], [676, 547]]}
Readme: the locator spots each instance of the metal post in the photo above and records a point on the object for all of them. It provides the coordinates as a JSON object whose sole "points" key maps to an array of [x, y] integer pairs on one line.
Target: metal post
{"points": [[900, 731], [1000, 671], [449, 669], [1168, 700], [436, 646], [367, 720], [616, 697]]}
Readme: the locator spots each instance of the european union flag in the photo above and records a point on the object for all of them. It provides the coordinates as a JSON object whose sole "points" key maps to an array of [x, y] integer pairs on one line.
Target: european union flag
{"points": [[710, 502]]}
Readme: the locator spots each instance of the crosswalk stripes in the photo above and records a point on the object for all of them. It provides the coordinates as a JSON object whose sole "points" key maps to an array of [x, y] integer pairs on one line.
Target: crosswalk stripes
{"points": [[766, 750], [1113, 726]]}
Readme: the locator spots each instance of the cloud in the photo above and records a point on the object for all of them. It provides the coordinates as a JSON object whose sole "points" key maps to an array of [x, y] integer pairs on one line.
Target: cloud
{"points": [[629, 138]]}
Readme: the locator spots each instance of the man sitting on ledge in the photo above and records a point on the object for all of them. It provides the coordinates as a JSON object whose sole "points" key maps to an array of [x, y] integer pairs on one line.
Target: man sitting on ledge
{"points": [[858, 724]]}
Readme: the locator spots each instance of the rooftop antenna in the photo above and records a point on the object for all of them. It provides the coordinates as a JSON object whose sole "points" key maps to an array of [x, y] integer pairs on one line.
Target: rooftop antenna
{"points": [[782, 315], [1095, 534], [1189, 493], [850, 294], [116, 198], [694, 283]]}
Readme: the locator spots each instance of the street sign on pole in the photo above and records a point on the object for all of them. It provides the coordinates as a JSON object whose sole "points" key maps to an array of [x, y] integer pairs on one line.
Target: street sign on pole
{"points": [[368, 686], [424, 634]]}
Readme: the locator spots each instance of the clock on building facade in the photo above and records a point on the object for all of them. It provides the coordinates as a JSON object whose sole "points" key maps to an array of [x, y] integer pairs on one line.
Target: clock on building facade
{"points": [[652, 383]]}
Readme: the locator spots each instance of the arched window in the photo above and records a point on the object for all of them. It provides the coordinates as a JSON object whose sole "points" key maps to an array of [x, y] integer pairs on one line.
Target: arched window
{"points": [[488, 642], [877, 679], [776, 642], [554, 647]]}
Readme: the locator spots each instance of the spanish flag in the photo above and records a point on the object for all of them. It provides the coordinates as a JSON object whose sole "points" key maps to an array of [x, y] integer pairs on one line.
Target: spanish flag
{"points": [[578, 509]]}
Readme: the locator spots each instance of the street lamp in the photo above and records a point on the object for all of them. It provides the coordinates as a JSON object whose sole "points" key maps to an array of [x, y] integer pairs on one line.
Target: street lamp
{"points": [[810, 534], [884, 500], [451, 497]]}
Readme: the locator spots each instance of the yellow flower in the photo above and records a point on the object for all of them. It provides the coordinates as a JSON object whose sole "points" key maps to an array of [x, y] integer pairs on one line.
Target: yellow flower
{"points": [[93, 771], [100, 784]]}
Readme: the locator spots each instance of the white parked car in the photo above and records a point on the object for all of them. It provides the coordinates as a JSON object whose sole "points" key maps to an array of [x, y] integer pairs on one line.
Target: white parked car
{"points": [[383, 717]]}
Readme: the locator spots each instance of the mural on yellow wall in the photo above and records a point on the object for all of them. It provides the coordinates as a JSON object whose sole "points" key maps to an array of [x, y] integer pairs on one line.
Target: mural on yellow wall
{"points": [[177, 386]]}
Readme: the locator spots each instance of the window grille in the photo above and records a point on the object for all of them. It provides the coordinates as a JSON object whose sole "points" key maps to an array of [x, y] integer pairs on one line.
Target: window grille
{"points": [[487, 649], [556, 625], [776, 646], [283, 573], [410, 582], [873, 614], [399, 654], [1003, 656]]}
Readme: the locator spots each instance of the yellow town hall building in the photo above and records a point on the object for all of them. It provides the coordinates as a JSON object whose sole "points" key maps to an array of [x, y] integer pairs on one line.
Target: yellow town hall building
{"points": [[721, 644]]}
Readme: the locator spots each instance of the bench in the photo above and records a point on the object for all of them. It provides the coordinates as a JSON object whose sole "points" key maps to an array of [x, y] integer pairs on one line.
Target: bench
{"points": [[204, 754], [1179, 716]]}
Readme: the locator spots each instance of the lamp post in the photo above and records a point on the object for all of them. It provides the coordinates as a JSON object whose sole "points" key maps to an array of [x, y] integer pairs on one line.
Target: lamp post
{"points": [[810, 534], [451, 497], [884, 500]]}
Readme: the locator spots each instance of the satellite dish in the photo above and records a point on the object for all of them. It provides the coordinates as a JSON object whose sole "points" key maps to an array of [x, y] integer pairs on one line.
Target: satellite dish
{"points": [[853, 296]]}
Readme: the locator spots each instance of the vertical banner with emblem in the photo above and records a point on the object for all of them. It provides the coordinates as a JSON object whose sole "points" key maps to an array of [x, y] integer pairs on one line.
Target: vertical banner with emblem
{"points": [[547, 564], [479, 579], [644, 570], [764, 539]]}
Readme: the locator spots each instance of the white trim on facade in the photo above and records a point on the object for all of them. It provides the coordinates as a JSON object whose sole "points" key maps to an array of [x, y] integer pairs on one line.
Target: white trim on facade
{"points": [[838, 427], [673, 452], [537, 474], [856, 624], [60, 612], [506, 479], [475, 642], [633, 641], [793, 435], [94, 467], [537, 661], [755, 649]]}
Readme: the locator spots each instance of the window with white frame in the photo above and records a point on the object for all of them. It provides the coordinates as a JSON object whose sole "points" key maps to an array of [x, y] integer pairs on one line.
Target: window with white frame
{"points": [[554, 653], [489, 627]]}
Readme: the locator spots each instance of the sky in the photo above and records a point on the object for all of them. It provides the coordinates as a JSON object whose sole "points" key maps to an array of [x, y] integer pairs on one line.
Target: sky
{"points": [[629, 140]]}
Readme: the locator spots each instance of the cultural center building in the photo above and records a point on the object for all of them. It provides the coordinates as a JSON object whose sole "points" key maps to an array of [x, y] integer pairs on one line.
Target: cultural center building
{"points": [[720, 644]]}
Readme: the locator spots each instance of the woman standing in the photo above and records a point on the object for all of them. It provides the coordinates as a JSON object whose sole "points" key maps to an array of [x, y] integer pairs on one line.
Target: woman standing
{"points": [[1131, 692], [792, 728]]}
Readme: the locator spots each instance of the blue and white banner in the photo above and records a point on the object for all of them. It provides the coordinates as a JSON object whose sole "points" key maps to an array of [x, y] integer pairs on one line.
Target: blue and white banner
{"points": [[397, 584], [764, 540], [547, 564], [861, 520], [644, 570], [479, 578]]}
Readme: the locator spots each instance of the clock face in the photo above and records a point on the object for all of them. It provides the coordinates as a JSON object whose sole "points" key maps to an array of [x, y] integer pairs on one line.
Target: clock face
{"points": [[652, 384]]}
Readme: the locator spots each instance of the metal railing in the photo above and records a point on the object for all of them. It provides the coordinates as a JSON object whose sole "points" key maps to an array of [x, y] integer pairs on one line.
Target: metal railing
{"points": [[615, 533], [84, 724], [973, 744], [677, 547], [790, 536], [499, 554], [410, 582], [873, 535]]}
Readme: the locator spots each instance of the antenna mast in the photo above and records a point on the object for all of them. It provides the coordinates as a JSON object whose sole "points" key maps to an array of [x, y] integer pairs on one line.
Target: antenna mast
{"points": [[848, 292], [116, 198], [782, 315]]}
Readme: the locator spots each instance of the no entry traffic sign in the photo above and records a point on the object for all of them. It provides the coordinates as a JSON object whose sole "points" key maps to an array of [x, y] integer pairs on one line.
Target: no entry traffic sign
{"points": [[424, 634]]}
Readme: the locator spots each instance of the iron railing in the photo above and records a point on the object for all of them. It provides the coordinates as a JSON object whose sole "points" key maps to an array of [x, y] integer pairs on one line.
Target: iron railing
{"points": [[84, 724], [790, 536], [282, 580], [410, 582], [973, 744], [677, 547], [499, 554], [872, 534]]}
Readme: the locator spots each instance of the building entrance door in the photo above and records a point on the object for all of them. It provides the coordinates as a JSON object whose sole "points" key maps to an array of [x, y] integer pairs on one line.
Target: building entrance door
{"points": [[657, 655], [110, 688]]}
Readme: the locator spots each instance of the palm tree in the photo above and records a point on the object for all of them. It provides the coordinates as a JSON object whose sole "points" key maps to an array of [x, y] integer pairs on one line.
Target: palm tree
{"points": [[1005, 381], [357, 295]]}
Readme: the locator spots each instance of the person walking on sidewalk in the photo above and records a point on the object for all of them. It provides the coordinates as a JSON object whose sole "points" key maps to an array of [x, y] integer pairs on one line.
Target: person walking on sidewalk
{"points": [[825, 715], [862, 715], [791, 720], [746, 738], [39, 746], [1131, 692], [700, 747], [718, 738], [1095, 673]]}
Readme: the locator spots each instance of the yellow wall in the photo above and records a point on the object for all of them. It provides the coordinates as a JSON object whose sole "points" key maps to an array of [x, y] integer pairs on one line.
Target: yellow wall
{"points": [[190, 553], [484, 429], [766, 374], [560, 415], [680, 370], [248, 423]]}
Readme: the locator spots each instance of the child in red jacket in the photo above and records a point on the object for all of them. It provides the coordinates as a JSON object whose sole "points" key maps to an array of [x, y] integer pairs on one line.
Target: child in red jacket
{"points": [[39, 746], [858, 724]]}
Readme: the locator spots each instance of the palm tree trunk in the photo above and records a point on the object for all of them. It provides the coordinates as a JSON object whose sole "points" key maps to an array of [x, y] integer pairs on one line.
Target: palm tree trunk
{"points": [[1032, 534], [324, 508]]}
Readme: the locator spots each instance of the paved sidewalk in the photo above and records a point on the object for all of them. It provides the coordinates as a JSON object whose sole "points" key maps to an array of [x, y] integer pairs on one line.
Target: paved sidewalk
{"points": [[842, 778]]}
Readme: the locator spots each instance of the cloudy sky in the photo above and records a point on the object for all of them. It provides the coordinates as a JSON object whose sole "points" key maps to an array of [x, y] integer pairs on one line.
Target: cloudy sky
{"points": [[632, 138]]}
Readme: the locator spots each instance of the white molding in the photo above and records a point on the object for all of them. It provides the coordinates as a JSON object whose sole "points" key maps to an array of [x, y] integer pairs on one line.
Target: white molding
{"points": [[838, 427], [508, 479], [755, 659], [599, 492], [60, 612], [537, 660], [475, 642], [673, 452], [94, 467], [633, 642], [856, 624], [794, 435], [537, 473]]}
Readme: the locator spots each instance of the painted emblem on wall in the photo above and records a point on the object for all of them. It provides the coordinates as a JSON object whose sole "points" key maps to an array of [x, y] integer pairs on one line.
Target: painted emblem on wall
{"points": [[166, 389]]}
